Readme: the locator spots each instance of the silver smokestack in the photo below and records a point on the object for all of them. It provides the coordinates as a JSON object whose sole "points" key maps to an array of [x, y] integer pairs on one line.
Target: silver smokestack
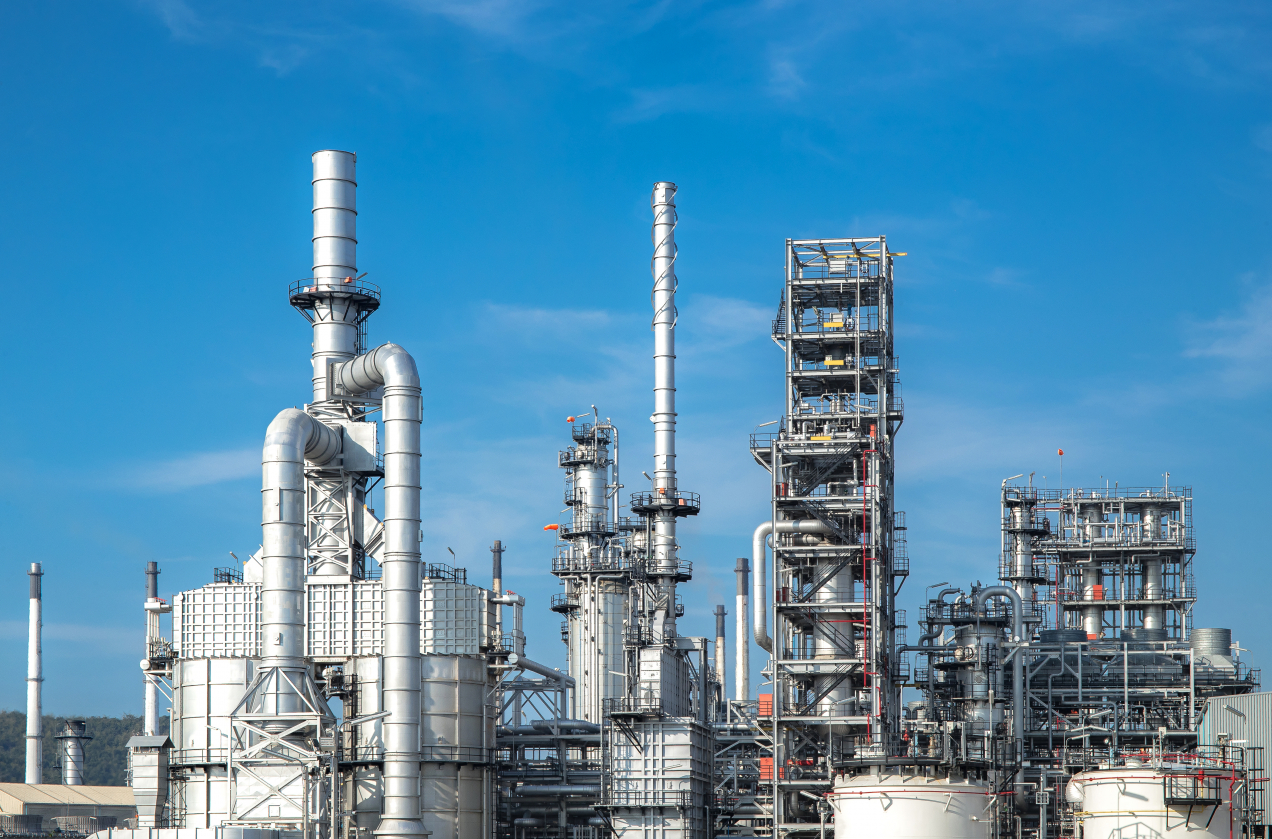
{"points": [[35, 676], [335, 261], [663, 267]]}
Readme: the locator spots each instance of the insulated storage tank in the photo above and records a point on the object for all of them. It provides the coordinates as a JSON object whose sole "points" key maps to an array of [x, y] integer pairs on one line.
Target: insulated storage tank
{"points": [[456, 735], [904, 807], [1136, 800], [205, 691]]}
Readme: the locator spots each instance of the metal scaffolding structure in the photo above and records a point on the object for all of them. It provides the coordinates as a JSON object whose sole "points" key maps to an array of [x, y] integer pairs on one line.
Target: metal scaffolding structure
{"points": [[833, 667]]}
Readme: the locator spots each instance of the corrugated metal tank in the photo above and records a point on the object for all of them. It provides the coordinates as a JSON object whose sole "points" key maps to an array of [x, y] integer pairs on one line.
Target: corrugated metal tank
{"points": [[204, 692], [909, 808], [457, 732], [660, 787]]}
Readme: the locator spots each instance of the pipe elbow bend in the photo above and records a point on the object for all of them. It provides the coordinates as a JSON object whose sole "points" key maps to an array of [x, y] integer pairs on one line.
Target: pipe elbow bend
{"points": [[387, 364], [396, 366], [294, 435]]}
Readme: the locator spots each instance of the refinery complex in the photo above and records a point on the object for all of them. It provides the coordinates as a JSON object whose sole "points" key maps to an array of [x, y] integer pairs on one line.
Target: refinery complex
{"points": [[335, 686]]}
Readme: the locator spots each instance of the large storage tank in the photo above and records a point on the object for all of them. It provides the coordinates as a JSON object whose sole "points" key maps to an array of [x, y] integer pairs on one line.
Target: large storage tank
{"points": [[204, 693], [1133, 800], [902, 807], [457, 733]]}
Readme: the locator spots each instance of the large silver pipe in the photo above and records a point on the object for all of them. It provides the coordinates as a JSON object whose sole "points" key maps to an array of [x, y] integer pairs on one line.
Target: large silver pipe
{"points": [[517, 661], [35, 679], [742, 651], [663, 267], [291, 439], [335, 260], [759, 579], [559, 789], [393, 368]]}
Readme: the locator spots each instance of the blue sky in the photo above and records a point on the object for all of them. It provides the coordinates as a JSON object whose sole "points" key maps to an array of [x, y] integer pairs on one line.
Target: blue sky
{"points": [[1082, 188]]}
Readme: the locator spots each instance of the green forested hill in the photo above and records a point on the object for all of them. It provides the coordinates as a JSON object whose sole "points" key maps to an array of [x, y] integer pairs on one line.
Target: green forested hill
{"points": [[105, 756]]}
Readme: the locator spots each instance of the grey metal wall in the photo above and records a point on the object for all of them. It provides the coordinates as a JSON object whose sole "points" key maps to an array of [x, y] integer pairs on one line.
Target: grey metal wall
{"points": [[1246, 717]]}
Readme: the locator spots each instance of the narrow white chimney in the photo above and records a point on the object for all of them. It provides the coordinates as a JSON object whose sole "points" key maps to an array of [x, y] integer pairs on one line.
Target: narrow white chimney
{"points": [[35, 676]]}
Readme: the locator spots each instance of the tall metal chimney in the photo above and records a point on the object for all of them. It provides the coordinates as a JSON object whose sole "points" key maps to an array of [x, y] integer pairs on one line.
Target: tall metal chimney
{"points": [[336, 320], [153, 608], [663, 267], [742, 663], [720, 651], [496, 581], [35, 676]]}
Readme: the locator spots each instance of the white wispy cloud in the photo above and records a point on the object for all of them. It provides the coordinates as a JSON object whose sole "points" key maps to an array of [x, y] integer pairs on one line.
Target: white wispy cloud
{"points": [[102, 638], [195, 470], [1240, 342]]}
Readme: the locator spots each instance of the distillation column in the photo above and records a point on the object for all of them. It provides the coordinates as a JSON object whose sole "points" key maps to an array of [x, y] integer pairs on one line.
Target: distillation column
{"points": [[596, 601], [1154, 616], [664, 548]]}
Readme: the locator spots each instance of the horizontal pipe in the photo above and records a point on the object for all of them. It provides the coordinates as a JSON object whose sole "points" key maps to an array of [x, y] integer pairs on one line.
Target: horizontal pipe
{"points": [[520, 662], [559, 789], [548, 726]]}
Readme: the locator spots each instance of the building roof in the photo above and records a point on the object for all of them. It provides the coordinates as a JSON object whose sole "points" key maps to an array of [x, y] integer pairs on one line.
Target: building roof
{"points": [[13, 797], [140, 741]]}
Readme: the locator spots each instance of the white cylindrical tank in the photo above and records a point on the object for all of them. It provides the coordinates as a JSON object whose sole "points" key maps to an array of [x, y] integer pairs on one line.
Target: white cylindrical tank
{"points": [[901, 807], [204, 693], [456, 734], [1132, 801]]}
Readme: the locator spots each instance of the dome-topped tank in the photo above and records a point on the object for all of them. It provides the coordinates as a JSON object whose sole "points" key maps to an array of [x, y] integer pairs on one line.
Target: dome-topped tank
{"points": [[909, 807]]}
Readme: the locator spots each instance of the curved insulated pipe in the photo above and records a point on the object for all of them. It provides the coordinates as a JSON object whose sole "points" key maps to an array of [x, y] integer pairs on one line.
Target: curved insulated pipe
{"points": [[759, 576], [291, 439], [393, 368]]}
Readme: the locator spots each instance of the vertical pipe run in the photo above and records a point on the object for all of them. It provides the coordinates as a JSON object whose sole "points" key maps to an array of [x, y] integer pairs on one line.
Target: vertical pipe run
{"points": [[741, 652], [35, 676], [663, 267], [391, 366]]}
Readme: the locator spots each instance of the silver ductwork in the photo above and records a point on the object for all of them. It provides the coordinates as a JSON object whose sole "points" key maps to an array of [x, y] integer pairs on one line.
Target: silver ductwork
{"points": [[391, 367], [35, 678], [291, 439]]}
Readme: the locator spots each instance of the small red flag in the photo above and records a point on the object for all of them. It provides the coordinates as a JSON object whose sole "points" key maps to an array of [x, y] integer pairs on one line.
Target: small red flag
{"points": [[1060, 452]]}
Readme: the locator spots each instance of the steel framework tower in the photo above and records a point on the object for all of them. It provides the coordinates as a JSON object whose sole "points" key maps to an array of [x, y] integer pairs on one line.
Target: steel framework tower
{"points": [[833, 667]]}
